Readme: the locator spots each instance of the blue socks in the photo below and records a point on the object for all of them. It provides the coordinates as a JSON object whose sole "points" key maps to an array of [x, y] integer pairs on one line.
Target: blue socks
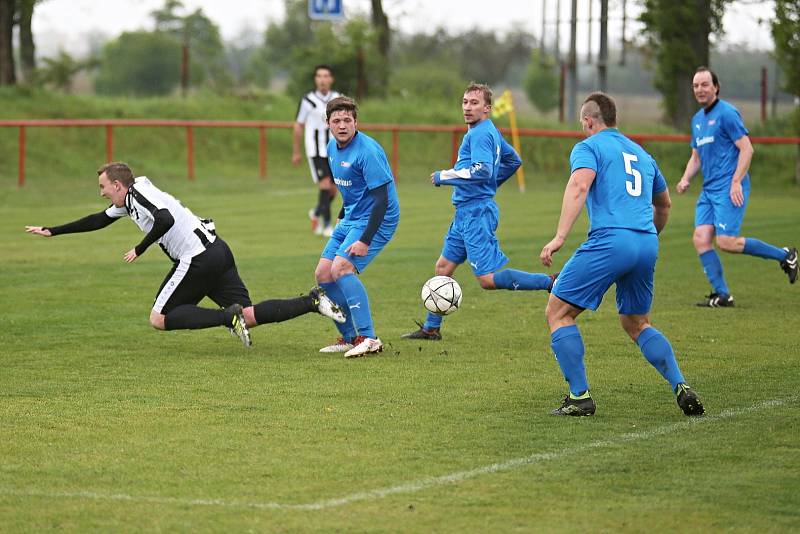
{"points": [[346, 328], [357, 303], [656, 348], [713, 269], [756, 247], [521, 280], [433, 321], [567, 345]]}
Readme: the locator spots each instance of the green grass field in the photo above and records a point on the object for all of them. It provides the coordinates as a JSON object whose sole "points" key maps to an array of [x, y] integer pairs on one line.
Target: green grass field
{"points": [[108, 425]]}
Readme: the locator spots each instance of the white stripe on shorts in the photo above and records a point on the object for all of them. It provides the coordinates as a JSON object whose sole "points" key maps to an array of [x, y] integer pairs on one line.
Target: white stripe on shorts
{"points": [[172, 284]]}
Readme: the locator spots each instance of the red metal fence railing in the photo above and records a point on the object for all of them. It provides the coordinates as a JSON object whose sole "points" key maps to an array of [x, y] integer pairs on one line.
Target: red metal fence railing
{"points": [[264, 126]]}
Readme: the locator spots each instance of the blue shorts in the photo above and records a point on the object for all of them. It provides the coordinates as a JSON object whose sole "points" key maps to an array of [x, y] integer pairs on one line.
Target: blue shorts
{"points": [[471, 236], [718, 210], [611, 256], [348, 232]]}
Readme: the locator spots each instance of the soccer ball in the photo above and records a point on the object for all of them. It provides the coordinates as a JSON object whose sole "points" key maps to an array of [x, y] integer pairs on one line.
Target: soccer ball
{"points": [[441, 295]]}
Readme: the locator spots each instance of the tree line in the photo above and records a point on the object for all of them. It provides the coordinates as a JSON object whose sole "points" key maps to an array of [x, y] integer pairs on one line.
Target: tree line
{"points": [[184, 51]]}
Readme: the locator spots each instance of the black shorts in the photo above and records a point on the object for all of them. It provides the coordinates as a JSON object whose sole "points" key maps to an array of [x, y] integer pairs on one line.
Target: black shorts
{"points": [[319, 168], [211, 274]]}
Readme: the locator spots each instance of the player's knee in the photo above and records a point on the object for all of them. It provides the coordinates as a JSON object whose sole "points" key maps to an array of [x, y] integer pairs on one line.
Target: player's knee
{"points": [[342, 268], [444, 267], [323, 272], [157, 320], [727, 243], [701, 241]]}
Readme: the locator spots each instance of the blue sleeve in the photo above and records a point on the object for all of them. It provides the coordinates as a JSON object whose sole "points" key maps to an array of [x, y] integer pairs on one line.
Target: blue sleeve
{"points": [[582, 157], [375, 167], [733, 125], [509, 163], [481, 148], [659, 182]]}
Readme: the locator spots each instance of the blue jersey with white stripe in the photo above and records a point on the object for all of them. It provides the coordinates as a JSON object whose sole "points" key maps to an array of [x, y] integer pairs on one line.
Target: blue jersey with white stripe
{"points": [[714, 134], [357, 168], [485, 161], [627, 177]]}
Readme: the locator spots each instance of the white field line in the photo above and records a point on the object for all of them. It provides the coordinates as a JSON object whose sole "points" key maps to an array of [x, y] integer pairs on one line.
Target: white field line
{"points": [[410, 487]]}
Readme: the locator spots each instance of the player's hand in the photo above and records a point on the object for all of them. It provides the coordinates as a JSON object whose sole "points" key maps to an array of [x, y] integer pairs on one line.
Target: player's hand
{"points": [[546, 256], [296, 158], [130, 256], [359, 248], [433, 178], [682, 186], [737, 195], [38, 230]]}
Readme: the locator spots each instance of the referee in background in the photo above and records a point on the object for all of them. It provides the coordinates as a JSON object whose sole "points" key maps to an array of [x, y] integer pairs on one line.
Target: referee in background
{"points": [[203, 264]]}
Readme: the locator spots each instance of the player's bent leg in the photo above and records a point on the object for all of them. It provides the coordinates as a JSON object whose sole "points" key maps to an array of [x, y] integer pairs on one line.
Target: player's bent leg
{"points": [[703, 238], [191, 317], [347, 331], [567, 345], [731, 244], [516, 280]]}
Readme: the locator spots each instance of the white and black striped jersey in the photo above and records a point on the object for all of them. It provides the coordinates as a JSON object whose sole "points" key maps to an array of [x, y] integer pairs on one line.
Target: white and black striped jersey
{"points": [[311, 113], [187, 237]]}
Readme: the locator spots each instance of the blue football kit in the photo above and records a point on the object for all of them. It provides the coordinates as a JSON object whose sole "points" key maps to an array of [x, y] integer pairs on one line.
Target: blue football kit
{"points": [[622, 247], [485, 161], [714, 134], [360, 169]]}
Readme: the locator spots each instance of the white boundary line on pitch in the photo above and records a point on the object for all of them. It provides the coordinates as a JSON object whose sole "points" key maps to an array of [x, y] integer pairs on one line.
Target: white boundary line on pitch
{"points": [[410, 487]]}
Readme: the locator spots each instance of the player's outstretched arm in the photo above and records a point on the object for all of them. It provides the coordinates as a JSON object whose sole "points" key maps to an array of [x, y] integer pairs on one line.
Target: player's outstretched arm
{"points": [[92, 222], [38, 230]]}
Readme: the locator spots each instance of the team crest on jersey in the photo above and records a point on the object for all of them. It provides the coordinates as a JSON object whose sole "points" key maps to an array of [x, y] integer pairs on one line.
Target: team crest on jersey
{"points": [[712, 122], [345, 164]]}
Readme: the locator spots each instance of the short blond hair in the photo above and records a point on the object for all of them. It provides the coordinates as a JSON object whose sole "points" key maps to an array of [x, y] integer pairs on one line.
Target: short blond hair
{"points": [[482, 88]]}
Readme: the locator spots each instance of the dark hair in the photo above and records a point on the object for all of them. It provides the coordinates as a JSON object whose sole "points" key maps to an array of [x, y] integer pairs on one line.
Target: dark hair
{"points": [[714, 78], [326, 67], [481, 88], [117, 172], [341, 103], [606, 108]]}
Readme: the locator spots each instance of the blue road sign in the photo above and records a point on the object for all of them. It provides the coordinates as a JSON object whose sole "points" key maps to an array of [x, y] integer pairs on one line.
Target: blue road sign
{"points": [[326, 9]]}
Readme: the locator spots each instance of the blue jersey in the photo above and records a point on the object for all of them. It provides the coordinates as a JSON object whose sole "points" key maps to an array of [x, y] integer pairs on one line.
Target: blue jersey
{"points": [[714, 133], [627, 177], [357, 168], [485, 161]]}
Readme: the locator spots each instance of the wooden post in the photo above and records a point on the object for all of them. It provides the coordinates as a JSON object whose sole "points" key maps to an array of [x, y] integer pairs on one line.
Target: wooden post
{"points": [[109, 143], [262, 152], [21, 175], [190, 152], [395, 152]]}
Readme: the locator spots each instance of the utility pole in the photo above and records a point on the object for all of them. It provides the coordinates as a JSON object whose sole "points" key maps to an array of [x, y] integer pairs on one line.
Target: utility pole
{"points": [[589, 35], [602, 58], [557, 48], [623, 48], [573, 62], [542, 46]]}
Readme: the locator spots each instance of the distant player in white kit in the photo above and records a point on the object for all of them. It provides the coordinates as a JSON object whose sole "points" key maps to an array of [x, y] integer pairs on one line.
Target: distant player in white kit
{"points": [[203, 265], [311, 125]]}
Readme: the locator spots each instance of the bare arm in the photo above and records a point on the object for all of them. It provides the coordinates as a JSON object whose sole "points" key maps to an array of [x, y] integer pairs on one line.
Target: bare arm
{"points": [[574, 198], [661, 207], [692, 168], [297, 140], [742, 166]]}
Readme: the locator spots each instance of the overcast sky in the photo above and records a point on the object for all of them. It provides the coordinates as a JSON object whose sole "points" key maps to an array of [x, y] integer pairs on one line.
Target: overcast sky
{"points": [[70, 24]]}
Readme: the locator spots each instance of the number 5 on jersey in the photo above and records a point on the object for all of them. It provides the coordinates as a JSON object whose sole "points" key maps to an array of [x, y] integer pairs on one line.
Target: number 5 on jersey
{"points": [[634, 188]]}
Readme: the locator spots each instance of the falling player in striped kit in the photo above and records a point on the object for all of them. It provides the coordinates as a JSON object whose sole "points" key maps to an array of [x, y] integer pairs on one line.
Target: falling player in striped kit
{"points": [[203, 265]]}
